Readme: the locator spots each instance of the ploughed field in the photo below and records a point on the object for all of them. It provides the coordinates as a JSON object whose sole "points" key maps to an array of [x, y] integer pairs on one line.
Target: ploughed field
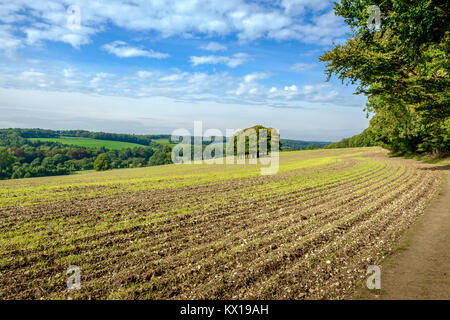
{"points": [[211, 231]]}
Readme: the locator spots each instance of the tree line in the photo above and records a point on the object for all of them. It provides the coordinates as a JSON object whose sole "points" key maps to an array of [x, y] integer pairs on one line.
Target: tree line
{"points": [[364, 139], [23, 158]]}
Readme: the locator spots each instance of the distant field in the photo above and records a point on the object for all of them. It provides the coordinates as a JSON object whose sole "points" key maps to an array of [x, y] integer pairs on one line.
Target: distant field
{"points": [[163, 141], [211, 231], [91, 143]]}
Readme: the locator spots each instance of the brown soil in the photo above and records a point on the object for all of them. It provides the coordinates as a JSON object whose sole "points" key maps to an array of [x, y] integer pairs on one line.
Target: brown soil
{"points": [[234, 239], [421, 267]]}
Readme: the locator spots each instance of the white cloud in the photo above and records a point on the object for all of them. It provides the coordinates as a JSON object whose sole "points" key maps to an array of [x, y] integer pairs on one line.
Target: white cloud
{"points": [[73, 110], [173, 77], [31, 74], [309, 53], [232, 62], [255, 76], [296, 7], [146, 74], [323, 30], [250, 85], [97, 78], [221, 87], [8, 42], [213, 46], [247, 20], [68, 73], [308, 89], [34, 78], [123, 50], [253, 91], [300, 67], [41, 31], [260, 24], [240, 90], [291, 88]]}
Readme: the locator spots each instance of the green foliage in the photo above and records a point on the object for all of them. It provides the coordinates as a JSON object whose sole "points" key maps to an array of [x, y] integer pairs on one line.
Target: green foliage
{"points": [[161, 157], [363, 139], [101, 163], [403, 69], [6, 162], [31, 158], [244, 134]]}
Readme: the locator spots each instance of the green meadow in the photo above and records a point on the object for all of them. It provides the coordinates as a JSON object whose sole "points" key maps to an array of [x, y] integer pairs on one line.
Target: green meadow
{"points": [[90, 143]]}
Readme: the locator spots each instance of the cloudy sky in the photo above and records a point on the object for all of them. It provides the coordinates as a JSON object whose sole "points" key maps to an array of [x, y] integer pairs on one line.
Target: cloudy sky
{"points": [[152, 66]]}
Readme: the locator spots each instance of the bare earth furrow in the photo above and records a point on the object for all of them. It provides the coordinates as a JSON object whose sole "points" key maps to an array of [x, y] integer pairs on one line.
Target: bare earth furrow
{"points": [[305, 233]]}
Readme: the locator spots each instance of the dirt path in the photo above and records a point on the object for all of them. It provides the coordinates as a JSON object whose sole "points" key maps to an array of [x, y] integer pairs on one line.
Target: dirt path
{"points": [[421, 268]]}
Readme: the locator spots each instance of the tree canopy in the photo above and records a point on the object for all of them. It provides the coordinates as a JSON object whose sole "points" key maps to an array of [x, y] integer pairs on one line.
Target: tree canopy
{"points": [[257, 130], [402, 68]]}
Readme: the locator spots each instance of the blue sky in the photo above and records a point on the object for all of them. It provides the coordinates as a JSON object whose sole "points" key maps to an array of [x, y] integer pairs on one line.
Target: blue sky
{"points": [[156, 66]]}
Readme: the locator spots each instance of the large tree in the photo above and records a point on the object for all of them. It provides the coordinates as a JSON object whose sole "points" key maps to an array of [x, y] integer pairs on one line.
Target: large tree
{"points": [[403, 69], [244, 136]]}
